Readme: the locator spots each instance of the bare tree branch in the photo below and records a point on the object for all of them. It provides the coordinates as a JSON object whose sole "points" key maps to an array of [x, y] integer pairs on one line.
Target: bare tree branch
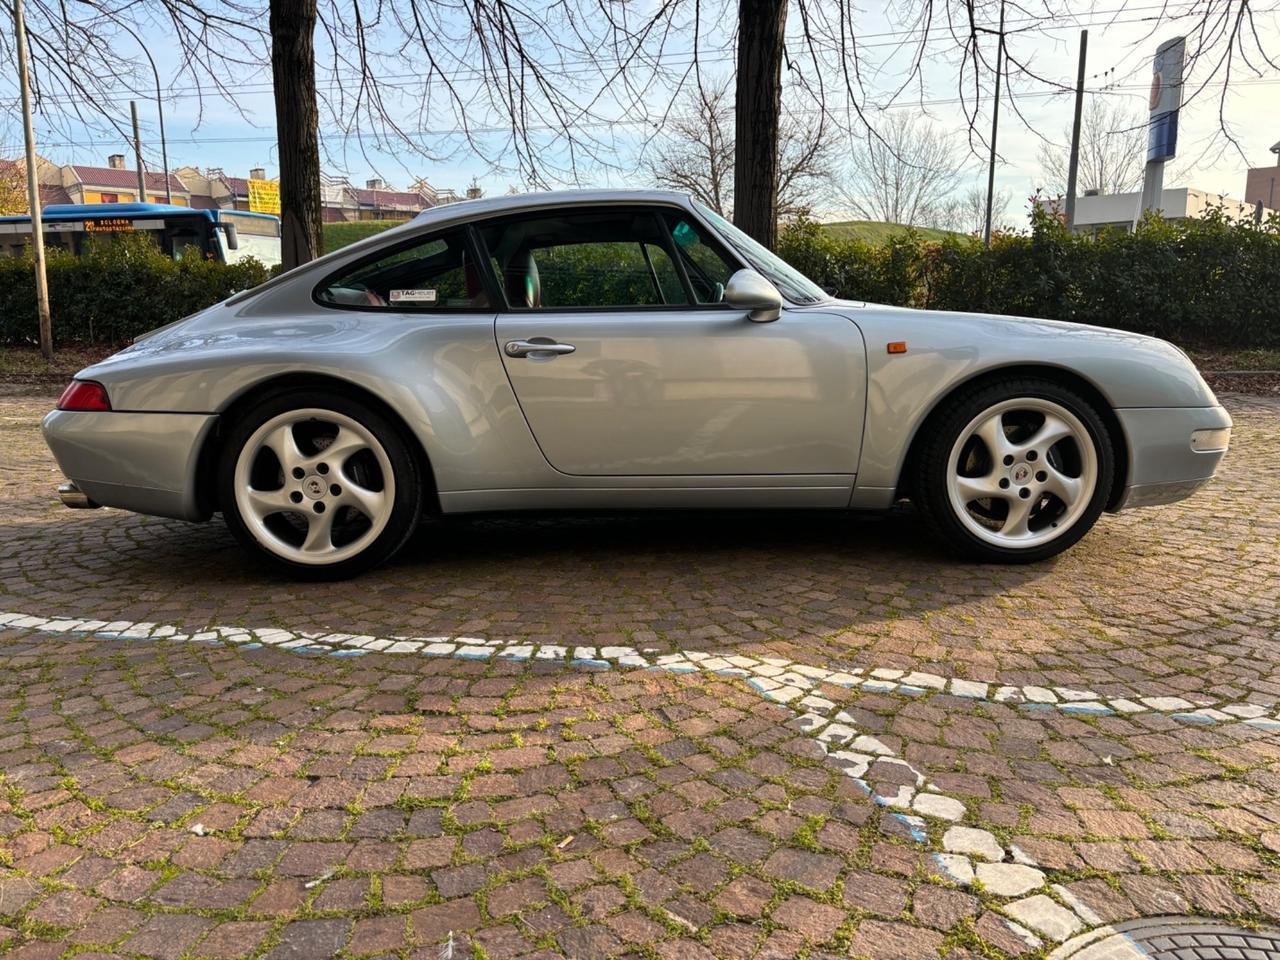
{"points": [[1113, 147], [967, 212], [557, 90], [697, 152], [904, 175]]}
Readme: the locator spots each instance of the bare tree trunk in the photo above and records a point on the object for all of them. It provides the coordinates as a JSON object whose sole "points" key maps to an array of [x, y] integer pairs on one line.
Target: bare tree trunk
{"points": [[757, 106], [293, 67]]}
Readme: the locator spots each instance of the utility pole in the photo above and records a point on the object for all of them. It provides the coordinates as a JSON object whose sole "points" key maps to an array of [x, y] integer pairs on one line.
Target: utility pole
{"points": [[1073, 168], [137, 153], [995, 125], [33, 187]]}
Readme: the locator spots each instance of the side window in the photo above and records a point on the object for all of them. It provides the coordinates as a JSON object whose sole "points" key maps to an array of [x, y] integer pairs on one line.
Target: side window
{"points": [[432, 274], [709, 268], [186, 244], [587, 259]]}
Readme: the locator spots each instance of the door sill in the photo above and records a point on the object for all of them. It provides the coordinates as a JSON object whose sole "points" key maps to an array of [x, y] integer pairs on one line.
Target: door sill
{"points": [[755, 496]]}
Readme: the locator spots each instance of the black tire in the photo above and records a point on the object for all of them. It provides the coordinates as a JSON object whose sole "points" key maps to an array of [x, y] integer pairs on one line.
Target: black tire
{"points": [[932, 463], [406, 504]]}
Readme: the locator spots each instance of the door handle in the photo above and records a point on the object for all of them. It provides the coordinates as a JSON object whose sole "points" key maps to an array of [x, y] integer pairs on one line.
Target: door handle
{"points": [[537, 348]]}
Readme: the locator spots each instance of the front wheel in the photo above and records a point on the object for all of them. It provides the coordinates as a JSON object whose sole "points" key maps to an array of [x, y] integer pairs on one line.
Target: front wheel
{"points": [[1015, 471], [319, 485]]}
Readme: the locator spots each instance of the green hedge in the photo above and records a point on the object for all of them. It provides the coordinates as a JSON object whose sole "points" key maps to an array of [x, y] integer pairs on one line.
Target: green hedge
{"points": [[1207, 283], [338, 235], [122, 288]]}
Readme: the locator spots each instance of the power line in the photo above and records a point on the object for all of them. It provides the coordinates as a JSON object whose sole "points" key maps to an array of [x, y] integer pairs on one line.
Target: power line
{"points": [[723, 54], [482, 130], [685, 58]]}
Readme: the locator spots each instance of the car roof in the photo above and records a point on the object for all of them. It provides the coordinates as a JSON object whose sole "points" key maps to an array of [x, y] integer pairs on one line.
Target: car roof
{"points": [[485, 206], [462, 211]]}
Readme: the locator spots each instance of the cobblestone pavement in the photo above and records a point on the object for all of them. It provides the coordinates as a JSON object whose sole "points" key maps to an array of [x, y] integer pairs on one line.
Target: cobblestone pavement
{"points": [[659, 736]]}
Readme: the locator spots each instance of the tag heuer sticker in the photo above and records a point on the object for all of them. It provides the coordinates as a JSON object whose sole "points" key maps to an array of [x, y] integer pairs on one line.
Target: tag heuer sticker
{"points": [[413, 296]]}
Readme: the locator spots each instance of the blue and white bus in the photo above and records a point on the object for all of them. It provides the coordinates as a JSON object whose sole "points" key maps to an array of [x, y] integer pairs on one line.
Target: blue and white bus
{"points": [[223, 235]]}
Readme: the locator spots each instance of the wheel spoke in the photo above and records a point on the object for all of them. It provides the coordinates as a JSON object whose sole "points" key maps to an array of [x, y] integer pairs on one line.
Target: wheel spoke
{"points": [[1017, 522], [319, 533], [369, 502], [344, 445], [282, 443], [1065, 488], [1051, 431], [267, 502], [976, 488], [991, 433]]}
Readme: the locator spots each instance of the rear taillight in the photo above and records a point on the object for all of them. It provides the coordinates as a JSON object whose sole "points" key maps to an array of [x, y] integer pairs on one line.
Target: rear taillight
{"points": [[84, 395]]}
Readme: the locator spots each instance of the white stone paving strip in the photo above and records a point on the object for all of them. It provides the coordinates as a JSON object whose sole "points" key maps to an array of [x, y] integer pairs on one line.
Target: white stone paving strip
{"points": [[969, 854], [780, 680]]}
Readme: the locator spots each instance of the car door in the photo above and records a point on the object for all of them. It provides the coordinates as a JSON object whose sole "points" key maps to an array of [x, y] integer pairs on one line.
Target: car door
{"points": [[625, 361]]}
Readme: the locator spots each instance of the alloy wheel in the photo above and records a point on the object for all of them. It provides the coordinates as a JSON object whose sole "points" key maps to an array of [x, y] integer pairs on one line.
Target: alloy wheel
{"points": [[314, 486], [1022, 472]]}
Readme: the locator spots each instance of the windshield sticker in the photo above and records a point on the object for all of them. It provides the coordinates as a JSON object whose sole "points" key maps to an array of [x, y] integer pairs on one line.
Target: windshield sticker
{"points": [[413, 296]]}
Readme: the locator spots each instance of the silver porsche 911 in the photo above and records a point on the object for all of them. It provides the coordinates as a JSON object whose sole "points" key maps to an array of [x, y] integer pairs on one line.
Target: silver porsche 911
{"points": [[610, 349]]}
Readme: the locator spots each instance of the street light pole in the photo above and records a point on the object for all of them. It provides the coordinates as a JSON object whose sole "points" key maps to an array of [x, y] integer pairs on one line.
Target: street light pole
{"points": [[33, 187], [164, 149]]}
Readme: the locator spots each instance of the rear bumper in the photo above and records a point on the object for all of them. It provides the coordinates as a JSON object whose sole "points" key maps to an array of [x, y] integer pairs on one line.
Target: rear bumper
{"points": [[1165, 464], [145, 462]]}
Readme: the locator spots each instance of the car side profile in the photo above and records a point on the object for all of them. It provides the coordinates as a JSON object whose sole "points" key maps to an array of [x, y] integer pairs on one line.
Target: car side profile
{"points": [[617, 350]]}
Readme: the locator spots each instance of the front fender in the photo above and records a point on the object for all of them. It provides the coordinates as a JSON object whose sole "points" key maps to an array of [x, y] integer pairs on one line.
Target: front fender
{"points": [[947, 350]]}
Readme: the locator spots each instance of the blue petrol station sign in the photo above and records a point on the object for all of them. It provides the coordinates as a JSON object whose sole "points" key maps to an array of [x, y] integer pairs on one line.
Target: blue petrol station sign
{"points": [[1166, 99]]}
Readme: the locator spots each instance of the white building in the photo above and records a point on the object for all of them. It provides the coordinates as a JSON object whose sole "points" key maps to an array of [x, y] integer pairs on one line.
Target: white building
{"points": [[1095, 212]]}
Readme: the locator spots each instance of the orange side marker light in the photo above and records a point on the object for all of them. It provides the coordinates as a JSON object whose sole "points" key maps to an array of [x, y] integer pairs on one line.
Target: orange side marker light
{"points": [[898, 346]]}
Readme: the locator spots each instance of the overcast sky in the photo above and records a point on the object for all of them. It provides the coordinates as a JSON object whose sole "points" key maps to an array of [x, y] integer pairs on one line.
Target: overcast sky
{"points": [[1122, 40]]}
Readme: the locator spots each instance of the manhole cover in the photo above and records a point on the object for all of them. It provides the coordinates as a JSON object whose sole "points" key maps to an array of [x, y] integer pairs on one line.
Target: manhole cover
{"points": [[1173, 938]]}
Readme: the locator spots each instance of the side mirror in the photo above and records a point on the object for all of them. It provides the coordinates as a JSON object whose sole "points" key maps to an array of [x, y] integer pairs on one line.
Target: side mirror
{"points": [[747, 290], [233, 236]]}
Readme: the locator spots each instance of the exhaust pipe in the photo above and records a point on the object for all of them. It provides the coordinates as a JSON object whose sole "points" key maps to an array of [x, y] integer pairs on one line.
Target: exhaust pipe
{"points": [[72, 496]]}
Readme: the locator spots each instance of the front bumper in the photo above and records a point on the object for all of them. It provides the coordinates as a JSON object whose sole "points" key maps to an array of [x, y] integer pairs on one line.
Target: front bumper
{"points": [[1165, 464], [145, 462]]}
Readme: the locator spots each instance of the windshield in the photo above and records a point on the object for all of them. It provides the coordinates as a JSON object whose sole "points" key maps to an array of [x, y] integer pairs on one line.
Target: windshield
{"points": [[791, 283], [259, 237]]}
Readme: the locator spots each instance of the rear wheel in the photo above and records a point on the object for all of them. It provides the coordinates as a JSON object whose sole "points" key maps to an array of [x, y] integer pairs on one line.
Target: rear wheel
{"points": [[319, 485], [1015, 471]]}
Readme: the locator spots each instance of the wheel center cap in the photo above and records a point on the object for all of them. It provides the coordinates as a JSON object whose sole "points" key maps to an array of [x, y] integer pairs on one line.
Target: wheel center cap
{"points": [[1021, 473], [313, 487]]}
